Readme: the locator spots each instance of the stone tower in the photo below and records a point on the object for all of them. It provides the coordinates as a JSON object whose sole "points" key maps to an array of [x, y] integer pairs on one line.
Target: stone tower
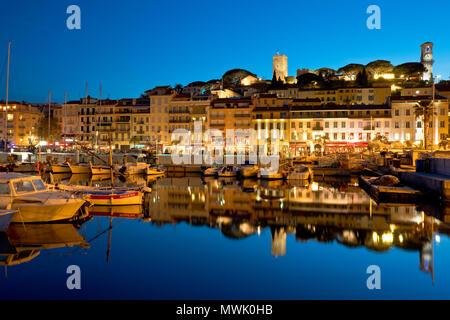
{"points": [[280, 66], [426, 58]]}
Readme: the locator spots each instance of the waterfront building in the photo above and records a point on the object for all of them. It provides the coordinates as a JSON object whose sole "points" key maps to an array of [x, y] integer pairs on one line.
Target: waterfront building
{"points": [[87, 109], [104, 122], [160, 98], [268, 114], [345, 96], [71, 120], [339, 127], [185, 110], [22, 123], [289, 91], [406, 126]]}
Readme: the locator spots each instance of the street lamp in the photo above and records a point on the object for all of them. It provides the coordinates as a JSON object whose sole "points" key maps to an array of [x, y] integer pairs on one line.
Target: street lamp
{"points": [[435, 138]]}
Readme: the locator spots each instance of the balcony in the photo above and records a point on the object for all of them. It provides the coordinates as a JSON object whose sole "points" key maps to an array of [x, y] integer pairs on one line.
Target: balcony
{"points": [[317, 128], [217, 125], [369, 128], [122, 111], [179, 111], [142, 111], [123, 119], [180, 121], [244, 115]]}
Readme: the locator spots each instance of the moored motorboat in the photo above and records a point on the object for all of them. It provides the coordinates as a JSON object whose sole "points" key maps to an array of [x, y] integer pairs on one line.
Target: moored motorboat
{"points": [[25, 167], [300, 173], [227, 172], [155, 171], [96, 170], [5, 218], [79, 168], [60, 168], [249, 171], [211, 172], [34, 202]]}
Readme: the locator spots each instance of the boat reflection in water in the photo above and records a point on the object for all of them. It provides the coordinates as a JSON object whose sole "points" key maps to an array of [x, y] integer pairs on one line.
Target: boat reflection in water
{"points": [[127, 212], [22, 243], [334, 212]]}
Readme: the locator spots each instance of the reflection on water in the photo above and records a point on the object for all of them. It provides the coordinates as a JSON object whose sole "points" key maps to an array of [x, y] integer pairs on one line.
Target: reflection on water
{"points": [[334, 212], [23, 243], [323, 212]]}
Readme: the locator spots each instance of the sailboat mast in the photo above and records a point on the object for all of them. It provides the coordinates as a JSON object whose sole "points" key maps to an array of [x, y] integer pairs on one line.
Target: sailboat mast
{"points": [[49, 107], [65, 113], [6, 100]]}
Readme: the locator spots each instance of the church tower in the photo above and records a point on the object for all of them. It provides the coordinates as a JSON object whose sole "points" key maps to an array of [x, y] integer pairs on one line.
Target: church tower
{"points": [[426, 58], [280, 67]]}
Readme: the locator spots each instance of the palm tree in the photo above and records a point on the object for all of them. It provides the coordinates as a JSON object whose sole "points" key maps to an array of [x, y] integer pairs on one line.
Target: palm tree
{"points": [[425, 110]]}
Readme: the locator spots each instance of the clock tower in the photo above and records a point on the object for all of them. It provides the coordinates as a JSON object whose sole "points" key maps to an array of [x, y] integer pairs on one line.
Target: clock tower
{"points": [[426, 58]]}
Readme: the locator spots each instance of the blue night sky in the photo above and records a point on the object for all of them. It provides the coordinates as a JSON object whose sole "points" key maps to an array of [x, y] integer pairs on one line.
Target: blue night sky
{"points": [[132, 46]]}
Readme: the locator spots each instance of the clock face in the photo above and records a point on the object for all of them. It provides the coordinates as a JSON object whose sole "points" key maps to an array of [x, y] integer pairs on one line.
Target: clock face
{"points": [[427, 56]]}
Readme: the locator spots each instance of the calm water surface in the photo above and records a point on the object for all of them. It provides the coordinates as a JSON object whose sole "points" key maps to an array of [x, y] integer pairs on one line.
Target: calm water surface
{"points": [[219, 239]]}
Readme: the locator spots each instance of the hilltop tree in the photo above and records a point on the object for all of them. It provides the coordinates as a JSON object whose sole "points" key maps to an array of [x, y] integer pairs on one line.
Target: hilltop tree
{"points": [[276, 82], [351, 70], [309, 80], [409, 70], [233, 77], [362, 78], [379, 67], [326, 73]]}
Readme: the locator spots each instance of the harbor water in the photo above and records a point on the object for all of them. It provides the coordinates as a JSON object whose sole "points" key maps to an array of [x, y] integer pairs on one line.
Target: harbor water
{"points": [[211, 238]]}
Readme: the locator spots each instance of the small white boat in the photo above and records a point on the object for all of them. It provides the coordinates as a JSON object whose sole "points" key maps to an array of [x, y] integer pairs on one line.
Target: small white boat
{"points": [[249, 171], [155, 171], [34, 202], [300, 173], [79, 168], [210, 172], [95, 170], [60, 168], [227, 172]]}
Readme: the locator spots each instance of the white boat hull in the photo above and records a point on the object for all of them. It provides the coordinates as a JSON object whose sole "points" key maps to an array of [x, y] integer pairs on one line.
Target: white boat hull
{"points": [[64, 209]]}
